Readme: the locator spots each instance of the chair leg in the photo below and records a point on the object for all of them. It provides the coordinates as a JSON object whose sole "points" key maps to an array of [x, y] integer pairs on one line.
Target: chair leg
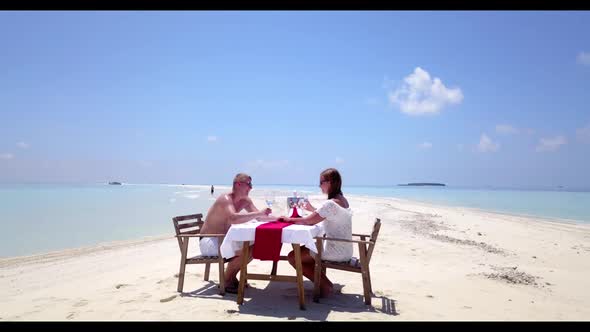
{"points": [[369, 278], [365, 273], [221, 278], [317, 271], [221, 267], [274, 269], [207, 268], [182, 265], [317, 278]]}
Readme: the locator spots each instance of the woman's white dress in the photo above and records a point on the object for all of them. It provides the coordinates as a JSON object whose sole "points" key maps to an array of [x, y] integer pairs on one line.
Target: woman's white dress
{"points": [[337, 224]]}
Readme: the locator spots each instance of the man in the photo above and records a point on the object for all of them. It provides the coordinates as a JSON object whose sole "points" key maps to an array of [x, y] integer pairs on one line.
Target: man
{"points": [[224, 213]]}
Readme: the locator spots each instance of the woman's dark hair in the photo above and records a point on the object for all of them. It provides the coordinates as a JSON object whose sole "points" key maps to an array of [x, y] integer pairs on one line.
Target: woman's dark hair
{"points": [[333, 176]]}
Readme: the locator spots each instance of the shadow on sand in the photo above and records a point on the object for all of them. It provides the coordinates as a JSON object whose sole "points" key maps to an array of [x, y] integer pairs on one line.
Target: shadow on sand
{"points": [[279, 300]]}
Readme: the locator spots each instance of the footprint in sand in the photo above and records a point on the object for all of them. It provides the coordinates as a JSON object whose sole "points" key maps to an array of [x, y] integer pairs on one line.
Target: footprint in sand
{"points": [[81, 303], [71, 315], [168, 299], [168, 280], [231, 311], [121, 285]]}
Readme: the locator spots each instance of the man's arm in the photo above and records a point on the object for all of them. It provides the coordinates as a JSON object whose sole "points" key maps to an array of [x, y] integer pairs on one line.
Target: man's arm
{"points": [[237, 218], [250, 207]]}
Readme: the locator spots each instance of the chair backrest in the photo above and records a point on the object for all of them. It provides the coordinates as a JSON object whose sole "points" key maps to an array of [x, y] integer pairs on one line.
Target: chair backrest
{"points": [[186, 225], [374, 234]]}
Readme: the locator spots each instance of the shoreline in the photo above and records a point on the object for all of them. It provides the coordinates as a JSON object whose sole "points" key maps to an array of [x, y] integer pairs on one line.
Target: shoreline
{"points": [[430, 263], [56, 255], [110, 245], [542, 219], [436, 204]]}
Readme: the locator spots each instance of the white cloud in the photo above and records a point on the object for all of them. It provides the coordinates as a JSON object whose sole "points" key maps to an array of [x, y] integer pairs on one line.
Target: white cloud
{"points": [[487, 145], [6, 156], [425, 145], [506, 129], [339, 160], [211, 138], [420, 94], [583, 58], [583, 134], [551, 143], [529, 131], [23, 145]]}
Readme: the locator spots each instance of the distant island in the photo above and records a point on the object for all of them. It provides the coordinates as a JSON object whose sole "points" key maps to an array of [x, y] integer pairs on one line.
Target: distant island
{"points": [[115, 183], [423, 184]]}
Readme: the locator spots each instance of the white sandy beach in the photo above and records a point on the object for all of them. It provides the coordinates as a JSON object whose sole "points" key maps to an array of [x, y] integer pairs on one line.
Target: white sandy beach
{"points": [[430, 263]]}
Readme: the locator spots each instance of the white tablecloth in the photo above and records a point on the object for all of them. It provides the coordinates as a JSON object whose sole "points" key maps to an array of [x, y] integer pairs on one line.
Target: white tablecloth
{"points": [[301, 234]]}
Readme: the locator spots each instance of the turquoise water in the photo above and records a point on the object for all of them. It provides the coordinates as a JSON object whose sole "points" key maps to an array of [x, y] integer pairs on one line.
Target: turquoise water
{"points": [[572, 205], [41, 218]]}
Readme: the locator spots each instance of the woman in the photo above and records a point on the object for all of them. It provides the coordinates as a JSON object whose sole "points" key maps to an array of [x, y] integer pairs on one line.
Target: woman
{"points": [[338, 224]]}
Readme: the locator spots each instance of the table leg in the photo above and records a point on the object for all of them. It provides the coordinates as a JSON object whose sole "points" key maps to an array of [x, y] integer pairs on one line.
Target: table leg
{"points": [[243, 271], [299, 269]]}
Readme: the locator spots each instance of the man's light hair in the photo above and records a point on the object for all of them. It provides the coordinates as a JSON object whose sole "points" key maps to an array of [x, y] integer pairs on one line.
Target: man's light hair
{"points": [[241, 177]]}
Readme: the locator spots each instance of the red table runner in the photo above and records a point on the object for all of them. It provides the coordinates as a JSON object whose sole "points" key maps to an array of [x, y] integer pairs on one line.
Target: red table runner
{"points": [[267, 241]]}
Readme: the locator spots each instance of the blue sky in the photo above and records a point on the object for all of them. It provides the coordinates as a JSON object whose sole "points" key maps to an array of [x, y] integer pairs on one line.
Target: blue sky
{"points": [[465, 98]]}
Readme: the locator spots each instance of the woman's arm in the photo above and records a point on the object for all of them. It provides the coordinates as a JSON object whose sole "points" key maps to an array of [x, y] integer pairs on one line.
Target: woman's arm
{"points": [[312, 219]]}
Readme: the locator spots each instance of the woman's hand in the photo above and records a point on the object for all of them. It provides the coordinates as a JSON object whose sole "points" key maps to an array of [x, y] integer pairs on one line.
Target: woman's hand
{"points": [[307, 205]]}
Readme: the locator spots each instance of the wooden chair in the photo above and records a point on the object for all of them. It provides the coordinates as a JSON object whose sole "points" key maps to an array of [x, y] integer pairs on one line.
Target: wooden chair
{"points": [[186, 230], [366, 247]]}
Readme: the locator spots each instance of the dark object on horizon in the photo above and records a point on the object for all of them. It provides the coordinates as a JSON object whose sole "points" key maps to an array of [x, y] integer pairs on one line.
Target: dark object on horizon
{"points": [[423, 184], [212, 190], [115, 183]]}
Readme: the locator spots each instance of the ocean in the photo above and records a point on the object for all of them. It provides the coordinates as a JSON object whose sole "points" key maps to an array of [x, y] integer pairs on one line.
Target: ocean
{"points": [[38, 218]]}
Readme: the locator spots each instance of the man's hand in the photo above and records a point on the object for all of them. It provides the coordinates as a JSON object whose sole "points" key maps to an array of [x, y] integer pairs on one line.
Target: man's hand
{"points": [[266, 211]]}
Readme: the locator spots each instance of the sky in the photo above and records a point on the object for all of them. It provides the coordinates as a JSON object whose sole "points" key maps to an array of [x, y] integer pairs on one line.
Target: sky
{"points": [[464, 98]]}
